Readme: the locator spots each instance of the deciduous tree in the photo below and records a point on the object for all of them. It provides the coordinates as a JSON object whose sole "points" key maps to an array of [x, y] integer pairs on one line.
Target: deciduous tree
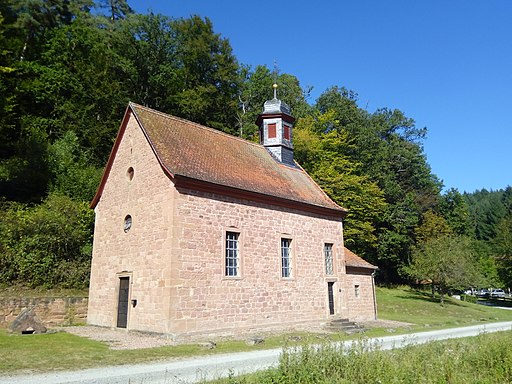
{"points": [[321, 152], [448, 262]]}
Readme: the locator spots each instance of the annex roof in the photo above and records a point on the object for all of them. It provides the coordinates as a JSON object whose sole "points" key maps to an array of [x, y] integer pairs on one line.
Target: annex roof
{"points": [[187, 150], [352, 260]]}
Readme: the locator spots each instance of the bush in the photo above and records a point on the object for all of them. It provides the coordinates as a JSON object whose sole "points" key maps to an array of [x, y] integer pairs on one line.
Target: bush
{"points": [[469, 298], [48, 245]]}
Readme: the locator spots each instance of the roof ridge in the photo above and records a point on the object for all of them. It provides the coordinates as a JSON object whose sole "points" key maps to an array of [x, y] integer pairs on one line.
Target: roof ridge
{"points": [[213, 130]]}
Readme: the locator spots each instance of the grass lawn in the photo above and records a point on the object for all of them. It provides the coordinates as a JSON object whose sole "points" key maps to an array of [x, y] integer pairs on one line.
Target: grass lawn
{"points": [[418, 308], [56, 351], [64, 351]]}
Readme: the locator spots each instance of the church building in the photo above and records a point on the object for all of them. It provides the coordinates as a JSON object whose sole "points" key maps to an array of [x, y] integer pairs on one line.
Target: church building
{"points": [[198, 232]]}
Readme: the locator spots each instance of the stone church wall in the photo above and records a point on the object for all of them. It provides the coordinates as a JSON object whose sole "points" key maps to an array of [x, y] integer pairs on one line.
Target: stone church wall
{"points": [[52, 311], [143, 252], [205, 300], [360, 294]]}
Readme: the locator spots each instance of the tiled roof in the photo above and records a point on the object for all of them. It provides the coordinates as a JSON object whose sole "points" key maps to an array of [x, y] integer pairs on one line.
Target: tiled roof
{"points": [[197, 152], [352, 260]]}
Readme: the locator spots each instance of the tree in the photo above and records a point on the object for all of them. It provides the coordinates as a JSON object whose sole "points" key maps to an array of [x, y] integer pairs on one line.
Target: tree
{"points": [[387, 145], [149, 48], [432, 227], [448, 262], [486, 209], [321, 152], [181, 67], [207, 75], [506, 200], [35, 18], [23, 139], [76, 85], [503, 239], [72, 171], [455, 210], [4, 50], [116, 9], [489, 265]]}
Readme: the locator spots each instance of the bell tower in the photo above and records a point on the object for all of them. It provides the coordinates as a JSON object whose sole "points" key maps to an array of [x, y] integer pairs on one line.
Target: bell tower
{"points": [[275, 124]]}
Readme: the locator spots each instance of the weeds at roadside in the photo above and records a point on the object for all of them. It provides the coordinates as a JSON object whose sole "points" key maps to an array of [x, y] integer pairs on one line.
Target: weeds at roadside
{"points": [[486, 358]]}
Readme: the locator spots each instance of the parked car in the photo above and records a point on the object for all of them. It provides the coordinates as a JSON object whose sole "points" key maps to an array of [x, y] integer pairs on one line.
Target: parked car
{"points": [[483, 293], [498, 293]]}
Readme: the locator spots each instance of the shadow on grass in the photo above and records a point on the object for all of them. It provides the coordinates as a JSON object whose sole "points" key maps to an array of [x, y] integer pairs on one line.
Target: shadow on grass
{"points": [[496, 302], [417, 294], [426, 296]]}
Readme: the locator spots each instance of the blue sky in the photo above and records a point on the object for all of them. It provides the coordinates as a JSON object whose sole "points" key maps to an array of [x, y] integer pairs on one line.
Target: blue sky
{"points": [[445, 63]]}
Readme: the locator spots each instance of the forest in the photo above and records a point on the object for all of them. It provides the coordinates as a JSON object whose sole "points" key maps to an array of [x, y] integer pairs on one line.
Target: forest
{"points": [[68, 69]]}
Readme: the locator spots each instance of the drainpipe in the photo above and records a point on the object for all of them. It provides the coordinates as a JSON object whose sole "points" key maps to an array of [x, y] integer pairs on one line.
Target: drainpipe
{"points": [[374, 297]]}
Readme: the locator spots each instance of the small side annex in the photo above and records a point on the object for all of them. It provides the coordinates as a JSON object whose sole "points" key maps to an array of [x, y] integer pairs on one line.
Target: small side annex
{"points": [[200, 232]]}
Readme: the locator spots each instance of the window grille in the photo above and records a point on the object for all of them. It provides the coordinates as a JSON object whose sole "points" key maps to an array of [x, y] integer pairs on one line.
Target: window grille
{"points": [[232, 256], [286, 265], [329, 270]]}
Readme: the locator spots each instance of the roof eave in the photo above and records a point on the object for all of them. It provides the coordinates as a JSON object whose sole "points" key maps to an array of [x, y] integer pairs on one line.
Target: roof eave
{"points": [[369, 266]]}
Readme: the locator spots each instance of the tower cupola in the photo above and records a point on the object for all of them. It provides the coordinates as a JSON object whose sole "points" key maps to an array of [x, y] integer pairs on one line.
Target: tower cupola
{"points": [[276, 124]]}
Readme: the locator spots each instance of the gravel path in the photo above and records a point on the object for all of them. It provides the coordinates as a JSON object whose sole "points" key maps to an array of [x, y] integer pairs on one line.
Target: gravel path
{"points": [[119, 339]]}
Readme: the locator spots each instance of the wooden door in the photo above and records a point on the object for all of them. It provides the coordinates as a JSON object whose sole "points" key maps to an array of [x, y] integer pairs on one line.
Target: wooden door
{"points": [[330, 295], [122, 305]]}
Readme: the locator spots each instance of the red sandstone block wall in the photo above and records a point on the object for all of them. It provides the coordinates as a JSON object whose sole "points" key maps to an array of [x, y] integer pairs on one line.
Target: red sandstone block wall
{"points": [[206, 299], [360, 297], [144, 252], [52, 311]]}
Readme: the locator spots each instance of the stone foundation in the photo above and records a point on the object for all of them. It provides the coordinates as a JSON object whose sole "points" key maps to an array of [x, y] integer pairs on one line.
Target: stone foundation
{"points": [[53, 311]]}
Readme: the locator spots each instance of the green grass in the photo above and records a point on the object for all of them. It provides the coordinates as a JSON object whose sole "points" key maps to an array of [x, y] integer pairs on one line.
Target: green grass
{"points": [[62, 351], [418, 308], [57, 351]]}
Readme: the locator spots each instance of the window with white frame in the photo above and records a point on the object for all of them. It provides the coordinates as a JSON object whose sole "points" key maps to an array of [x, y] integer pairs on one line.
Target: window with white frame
{"points": [[232, 254], [286, 258], [329, 270]]}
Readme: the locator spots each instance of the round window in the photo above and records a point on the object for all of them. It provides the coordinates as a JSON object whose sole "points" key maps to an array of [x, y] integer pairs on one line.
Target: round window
{"points": [[130, 173], [127, 223]]}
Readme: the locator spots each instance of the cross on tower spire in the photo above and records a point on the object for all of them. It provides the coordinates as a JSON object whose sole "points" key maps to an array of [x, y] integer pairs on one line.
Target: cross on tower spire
{"points": [[274, 73]]}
